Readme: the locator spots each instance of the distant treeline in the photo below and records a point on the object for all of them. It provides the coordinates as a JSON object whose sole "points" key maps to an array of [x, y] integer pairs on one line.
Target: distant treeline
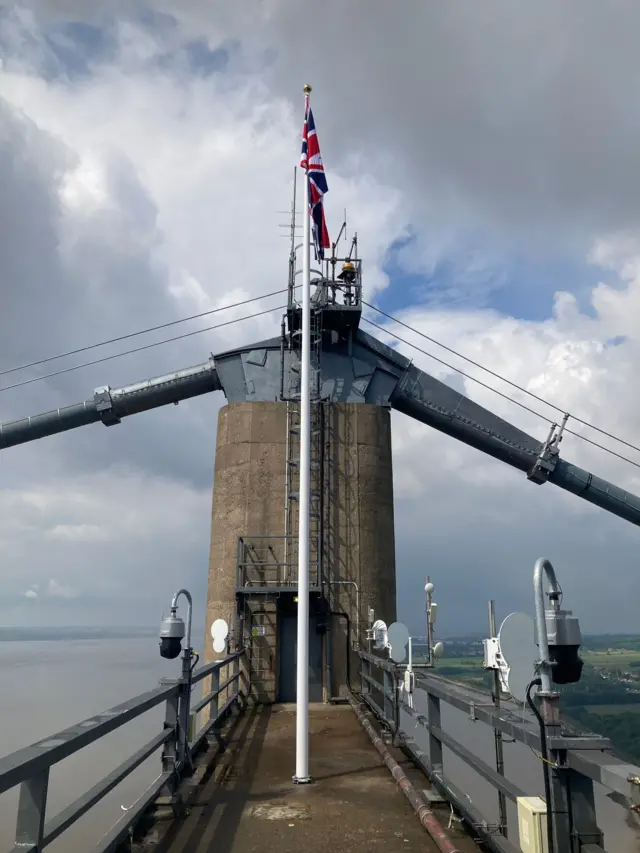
{"points": [[611, 641], [606, 696]]}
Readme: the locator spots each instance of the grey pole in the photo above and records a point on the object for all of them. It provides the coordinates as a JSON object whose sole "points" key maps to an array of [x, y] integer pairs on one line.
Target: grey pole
{"points": [[184, 755], [502, 802], [558, 808], [428, 588]]}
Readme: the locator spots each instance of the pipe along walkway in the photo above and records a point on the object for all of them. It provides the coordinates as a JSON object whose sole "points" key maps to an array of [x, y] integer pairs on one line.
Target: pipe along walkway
{"points": [[247, 801]]}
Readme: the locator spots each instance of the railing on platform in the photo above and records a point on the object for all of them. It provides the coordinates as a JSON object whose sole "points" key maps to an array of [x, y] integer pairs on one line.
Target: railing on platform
{"points": [[30, 767], [265, 562], [583, 759]]}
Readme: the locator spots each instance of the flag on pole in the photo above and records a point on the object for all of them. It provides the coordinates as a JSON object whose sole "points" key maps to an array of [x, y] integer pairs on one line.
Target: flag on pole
{"points": [[311, 161]]}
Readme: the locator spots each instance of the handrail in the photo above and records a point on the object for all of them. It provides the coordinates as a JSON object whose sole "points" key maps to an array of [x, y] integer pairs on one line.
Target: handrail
{"points": [[30, 766], [29, 761], [589, 758]]}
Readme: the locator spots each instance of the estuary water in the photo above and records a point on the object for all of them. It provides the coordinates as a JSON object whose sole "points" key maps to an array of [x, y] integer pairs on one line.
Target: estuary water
{"points": [[49, 685]]}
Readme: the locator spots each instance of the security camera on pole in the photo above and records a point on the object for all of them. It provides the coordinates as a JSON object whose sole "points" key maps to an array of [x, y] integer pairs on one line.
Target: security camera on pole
{"points": [[172, 632]]}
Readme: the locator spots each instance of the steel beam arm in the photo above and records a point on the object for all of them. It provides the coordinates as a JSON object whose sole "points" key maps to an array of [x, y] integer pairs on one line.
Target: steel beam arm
{"points": [[111, 405], [404, 387], [430, 401]]}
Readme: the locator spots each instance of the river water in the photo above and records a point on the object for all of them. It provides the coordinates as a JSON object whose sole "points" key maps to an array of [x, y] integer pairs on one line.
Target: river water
{"points": [[49, 685]]}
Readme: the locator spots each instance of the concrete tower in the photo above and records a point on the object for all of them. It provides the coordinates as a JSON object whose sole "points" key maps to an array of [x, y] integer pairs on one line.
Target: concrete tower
{"points": [[253, 557]]}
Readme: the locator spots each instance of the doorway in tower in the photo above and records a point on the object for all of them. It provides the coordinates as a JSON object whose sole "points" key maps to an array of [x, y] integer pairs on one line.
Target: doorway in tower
{"points": [[287, 651]]}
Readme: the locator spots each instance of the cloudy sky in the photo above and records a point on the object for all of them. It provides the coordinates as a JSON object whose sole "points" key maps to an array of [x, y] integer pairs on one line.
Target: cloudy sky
{"points": [[488, 157]]}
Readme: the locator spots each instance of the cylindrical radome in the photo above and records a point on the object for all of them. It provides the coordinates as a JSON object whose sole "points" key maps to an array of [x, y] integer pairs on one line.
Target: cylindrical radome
{"points": [[359, 555]]}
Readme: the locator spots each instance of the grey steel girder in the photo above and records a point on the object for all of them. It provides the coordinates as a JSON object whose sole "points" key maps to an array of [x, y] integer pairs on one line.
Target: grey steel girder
{"points": [[363, 370]]}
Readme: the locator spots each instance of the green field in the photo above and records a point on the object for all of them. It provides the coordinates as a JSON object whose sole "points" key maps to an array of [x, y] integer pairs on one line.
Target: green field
{"points": [[601, 710], [615, 660], [627, 660], [475, 662], [600, 702]]}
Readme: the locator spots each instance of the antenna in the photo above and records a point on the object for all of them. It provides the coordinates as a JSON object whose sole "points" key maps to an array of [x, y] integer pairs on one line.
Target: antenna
{"points": [[292, 251], [398, 636], [293, 213], [219, 634], [433, 650], [379, 632], [515, 653]]}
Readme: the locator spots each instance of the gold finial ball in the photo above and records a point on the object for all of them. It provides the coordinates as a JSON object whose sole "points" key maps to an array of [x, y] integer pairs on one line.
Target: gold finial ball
{"points": [[307, 89]]}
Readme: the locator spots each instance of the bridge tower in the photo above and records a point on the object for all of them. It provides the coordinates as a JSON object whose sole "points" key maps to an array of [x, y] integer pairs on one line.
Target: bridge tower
{"points": [[253, 555]]}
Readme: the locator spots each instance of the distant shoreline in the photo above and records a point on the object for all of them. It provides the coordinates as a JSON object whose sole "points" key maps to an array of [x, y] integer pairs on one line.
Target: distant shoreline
{"points": [[25, 635]]}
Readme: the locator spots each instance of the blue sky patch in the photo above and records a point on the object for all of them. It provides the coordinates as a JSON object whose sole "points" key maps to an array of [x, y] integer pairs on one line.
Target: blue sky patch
{"points": [[616, 341], [75, 47], [204, 60], [513, 283]]}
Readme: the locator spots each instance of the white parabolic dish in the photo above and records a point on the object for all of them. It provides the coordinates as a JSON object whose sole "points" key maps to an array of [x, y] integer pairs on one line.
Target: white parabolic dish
{"points": [[518, 648]]}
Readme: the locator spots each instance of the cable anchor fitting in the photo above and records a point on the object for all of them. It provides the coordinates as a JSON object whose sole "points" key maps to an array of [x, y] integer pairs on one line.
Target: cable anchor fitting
{"points": [[104, 406], [549, 453]]}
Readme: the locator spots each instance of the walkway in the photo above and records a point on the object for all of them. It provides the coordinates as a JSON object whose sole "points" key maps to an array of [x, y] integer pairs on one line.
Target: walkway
{"points": [[249, 803]]}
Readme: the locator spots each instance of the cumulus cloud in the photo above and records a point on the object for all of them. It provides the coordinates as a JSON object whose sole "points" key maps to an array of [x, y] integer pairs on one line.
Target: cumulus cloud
{"points": [[143, 163], [58, 590]]}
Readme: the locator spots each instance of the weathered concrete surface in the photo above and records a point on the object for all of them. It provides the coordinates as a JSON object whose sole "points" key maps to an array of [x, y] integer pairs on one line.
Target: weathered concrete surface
{"points": [[250, 804], [249, 500], [360, 526]]}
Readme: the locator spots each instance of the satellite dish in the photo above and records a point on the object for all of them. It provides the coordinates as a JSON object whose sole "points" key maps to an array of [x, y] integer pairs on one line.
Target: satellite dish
{"points": [[438, 649], [219, 634], [379, 634], [398, 636], [516, 639]]}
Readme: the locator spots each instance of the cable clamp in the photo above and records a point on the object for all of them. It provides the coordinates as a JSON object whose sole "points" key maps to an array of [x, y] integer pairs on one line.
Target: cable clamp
{"points": [[548, 456], [104, 406]]}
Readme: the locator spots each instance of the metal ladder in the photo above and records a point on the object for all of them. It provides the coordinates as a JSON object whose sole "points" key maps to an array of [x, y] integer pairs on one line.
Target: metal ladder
{"points": [[292, 479], [260, 639]]}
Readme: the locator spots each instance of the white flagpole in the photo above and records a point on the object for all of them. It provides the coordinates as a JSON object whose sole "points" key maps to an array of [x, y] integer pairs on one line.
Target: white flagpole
{"points": [[302, 662]]}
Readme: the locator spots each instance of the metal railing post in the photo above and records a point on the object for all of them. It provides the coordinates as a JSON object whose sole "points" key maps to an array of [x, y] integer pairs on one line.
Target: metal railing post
{"points": [[583, 811], [183, 755], [236, 680], [170, 749], [31, 810], [365, 670], [215, 702], [435, 744], [388, 683]]}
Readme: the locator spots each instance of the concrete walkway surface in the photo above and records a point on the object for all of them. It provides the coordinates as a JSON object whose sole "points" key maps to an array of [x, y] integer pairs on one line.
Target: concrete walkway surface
{"points": [[249, 803]]}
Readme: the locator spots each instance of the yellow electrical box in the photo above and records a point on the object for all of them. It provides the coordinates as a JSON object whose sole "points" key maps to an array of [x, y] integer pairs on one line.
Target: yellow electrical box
{"points": [[532, 824]]}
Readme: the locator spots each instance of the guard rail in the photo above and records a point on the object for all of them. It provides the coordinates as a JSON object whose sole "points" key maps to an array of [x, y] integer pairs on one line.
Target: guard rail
{"points": [[581, 759], [30, 766]]}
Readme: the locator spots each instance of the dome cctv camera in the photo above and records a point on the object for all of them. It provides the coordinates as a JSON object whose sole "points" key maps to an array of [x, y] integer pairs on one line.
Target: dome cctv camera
{"points": [[171, 636]]}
